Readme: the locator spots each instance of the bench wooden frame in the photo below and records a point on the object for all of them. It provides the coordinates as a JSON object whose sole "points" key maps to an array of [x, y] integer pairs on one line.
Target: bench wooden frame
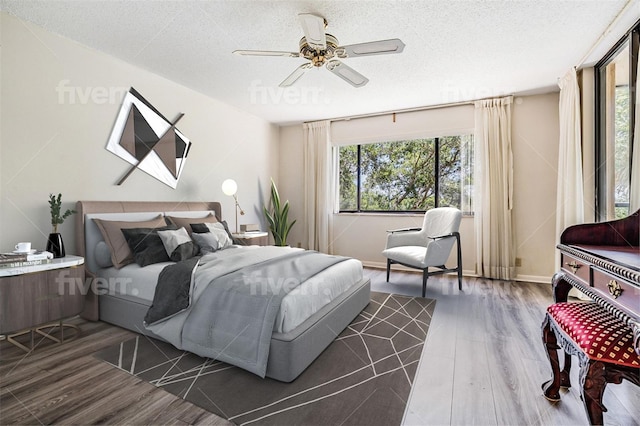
{"points": [[594, 374]]}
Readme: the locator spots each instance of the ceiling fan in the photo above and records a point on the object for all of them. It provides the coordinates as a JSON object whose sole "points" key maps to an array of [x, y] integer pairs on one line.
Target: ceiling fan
{"points": [[321, 48]]}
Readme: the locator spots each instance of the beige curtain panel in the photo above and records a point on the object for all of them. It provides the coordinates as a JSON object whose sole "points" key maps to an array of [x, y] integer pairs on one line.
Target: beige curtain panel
{"points": [[495, 252], [570, 186], [319, 185]]}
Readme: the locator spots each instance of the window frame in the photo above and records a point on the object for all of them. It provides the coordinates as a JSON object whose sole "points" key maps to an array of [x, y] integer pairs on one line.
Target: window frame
{"points": [[436, 185], [632, 37]]}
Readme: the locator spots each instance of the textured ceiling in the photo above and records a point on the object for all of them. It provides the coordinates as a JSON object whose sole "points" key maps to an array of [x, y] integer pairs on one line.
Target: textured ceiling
{"points": [[455, 50]]}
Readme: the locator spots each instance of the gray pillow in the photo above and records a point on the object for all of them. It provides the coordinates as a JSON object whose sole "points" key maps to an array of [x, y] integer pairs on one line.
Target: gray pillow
{"points": [[207, 242], [103, 255], [178, 245]]}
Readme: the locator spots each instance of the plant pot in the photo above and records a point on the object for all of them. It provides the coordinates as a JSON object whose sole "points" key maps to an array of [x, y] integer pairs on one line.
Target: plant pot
{"points": [[55, 245]]}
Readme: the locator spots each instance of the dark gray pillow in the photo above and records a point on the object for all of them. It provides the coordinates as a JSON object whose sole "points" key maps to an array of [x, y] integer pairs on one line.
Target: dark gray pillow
{"points": [[146, 245], [201, 228]]}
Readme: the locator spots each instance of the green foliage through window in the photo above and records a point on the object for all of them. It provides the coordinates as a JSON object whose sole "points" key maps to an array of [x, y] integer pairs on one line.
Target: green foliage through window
{"points": [[412, 175]]}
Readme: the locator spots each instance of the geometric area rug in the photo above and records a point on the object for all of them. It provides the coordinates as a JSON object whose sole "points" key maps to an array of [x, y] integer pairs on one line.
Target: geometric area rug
{"points": [[363, 377]]}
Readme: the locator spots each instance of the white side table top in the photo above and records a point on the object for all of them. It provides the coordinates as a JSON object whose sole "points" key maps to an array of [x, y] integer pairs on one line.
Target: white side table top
{"points": [[250, 234], [63, 262]]}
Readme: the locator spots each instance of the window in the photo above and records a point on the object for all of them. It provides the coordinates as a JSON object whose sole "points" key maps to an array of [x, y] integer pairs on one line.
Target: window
{"points": [[407, 176], [615, 90]]}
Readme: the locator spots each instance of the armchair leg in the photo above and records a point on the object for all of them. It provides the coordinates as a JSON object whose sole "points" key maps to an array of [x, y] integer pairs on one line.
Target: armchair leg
{"points": [[388, 268], [425, 275], [459, 261]]}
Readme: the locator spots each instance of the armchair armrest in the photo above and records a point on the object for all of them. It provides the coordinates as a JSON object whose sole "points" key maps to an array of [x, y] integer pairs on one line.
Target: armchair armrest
{"points": [[438, 237], [391, 231], [406, 237]]}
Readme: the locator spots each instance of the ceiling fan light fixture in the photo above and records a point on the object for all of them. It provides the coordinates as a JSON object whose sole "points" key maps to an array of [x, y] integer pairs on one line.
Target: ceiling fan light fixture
{"points": [[320, 48]]}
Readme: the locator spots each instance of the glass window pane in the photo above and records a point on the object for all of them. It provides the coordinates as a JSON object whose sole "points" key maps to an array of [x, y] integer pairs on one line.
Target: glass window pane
{"points": [[450, 185], [617, 115], [398, 176], [401, 176], [348, 158]]}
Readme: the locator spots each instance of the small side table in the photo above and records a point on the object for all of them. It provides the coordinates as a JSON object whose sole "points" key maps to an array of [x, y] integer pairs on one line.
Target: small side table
{"points": [[252, 238], [38, 297]]}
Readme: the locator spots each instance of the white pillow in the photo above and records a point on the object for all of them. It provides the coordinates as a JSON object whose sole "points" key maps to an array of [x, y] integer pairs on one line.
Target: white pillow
{"points": [[173, 238]]}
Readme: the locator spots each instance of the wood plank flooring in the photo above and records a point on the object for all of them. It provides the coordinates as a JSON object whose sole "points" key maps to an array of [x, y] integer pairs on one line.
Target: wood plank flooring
{"points": [[483, 363], [65, 384]]}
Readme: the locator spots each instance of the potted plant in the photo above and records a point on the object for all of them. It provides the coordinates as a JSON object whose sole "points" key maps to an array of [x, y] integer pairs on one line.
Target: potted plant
{"points": [[54, 242], [277, 218]]}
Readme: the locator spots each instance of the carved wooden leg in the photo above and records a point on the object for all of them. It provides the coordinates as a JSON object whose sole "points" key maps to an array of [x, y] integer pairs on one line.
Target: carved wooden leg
{"points": [[565, 374], [593, 379], [552, 387]]}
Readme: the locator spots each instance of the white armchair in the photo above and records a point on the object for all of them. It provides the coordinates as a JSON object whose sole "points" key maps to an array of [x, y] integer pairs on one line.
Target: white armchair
{"points": [[429, 246]]}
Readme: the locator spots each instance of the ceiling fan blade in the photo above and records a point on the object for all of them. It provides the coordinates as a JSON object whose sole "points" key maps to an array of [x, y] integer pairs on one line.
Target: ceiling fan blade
{"points": [[380, 47], [313, 28], [296, 74], [347, 73], [266, 53]]}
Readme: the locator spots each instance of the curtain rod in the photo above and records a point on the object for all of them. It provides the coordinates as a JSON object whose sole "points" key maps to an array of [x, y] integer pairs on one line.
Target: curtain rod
{"points": [[404, 110], [605, 33], [400, 111]]}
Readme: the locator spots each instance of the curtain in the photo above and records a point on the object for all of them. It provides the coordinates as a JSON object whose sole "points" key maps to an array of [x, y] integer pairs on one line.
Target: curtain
{"points": [[319, 185], [570, 194], [495, 252], [634, 188]]}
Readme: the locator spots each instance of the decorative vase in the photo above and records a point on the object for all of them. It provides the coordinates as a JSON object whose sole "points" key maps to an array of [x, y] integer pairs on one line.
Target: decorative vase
{"points": [[55, 245]]}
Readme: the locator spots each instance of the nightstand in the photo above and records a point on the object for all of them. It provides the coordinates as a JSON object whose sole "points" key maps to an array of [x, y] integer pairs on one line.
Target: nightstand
{"points": [[252, 238], [38, 297]]}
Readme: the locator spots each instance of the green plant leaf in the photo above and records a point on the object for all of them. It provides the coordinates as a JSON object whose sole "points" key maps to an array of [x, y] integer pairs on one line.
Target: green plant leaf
{"points": [[278, 217]]}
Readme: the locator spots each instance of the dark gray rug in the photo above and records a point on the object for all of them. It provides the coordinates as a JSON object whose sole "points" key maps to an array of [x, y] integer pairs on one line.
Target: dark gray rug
{"points": [[363, 377]]}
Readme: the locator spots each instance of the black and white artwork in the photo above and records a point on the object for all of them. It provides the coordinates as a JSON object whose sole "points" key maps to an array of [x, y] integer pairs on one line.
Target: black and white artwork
{"points": [[148, 141]]}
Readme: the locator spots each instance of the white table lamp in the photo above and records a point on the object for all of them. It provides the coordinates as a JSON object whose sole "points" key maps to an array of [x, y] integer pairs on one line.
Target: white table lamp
{"points": [[230, 188]]}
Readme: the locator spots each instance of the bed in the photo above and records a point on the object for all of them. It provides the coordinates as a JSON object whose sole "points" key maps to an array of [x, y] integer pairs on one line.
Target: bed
{"points": [[125, 294]]}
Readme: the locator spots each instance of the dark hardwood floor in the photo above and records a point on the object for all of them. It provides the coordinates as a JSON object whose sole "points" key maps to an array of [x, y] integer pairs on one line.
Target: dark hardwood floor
{"points": [[65, 384], [483, 363]]}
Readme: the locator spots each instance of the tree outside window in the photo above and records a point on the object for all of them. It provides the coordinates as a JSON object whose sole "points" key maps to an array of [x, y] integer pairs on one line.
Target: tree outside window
{"points": [[407, 176]]}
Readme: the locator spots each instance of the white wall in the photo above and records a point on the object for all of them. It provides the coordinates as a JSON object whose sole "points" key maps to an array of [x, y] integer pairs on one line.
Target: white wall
{"points": [[59, 101], [535, 140]]}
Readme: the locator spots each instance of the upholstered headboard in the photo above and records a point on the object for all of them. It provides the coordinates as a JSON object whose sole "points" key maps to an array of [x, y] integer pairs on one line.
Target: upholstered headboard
{"points": [[119, 209]]}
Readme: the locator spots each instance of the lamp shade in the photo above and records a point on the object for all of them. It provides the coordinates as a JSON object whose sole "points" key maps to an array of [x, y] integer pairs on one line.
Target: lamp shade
{"points": [[229, 187]]}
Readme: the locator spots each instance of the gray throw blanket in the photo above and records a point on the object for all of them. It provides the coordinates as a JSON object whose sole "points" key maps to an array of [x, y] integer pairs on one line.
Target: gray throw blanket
{"points": [[172, 293], [232, 319]]}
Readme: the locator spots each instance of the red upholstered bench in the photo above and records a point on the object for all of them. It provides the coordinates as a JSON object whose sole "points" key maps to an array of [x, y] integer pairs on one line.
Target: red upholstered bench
{"points": [[603, 344]]}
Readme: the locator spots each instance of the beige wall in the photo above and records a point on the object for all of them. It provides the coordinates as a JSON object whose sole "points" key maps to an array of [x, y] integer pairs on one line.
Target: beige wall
{"points": [[59, 101], [535, 140]]}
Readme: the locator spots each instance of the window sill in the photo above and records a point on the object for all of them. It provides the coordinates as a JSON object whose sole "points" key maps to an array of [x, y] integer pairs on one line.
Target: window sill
{"points": [[394, 214]]}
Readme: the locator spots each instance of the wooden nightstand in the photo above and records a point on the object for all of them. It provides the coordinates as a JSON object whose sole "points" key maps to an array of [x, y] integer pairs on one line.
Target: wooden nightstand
{"points": [[36, 297], [252, 238]]}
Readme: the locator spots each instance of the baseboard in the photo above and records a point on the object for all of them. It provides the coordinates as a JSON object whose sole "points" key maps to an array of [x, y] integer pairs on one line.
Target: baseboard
{"points": [[539, 279], [467, 273]]}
